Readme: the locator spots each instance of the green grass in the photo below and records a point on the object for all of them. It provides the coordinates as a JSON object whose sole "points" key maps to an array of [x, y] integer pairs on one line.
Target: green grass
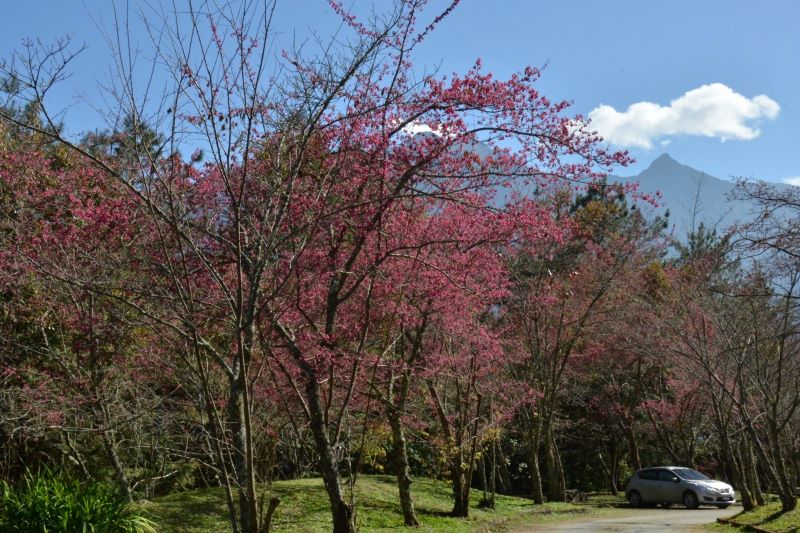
{"points": [[767, 517], [304, 509]]}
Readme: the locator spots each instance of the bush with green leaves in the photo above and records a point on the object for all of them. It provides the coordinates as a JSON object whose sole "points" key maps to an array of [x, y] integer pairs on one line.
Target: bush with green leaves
{"points": [[50, 503]]}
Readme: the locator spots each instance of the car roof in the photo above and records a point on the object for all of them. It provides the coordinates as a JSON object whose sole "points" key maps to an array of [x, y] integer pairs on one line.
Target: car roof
{"points": [[662, 468]]}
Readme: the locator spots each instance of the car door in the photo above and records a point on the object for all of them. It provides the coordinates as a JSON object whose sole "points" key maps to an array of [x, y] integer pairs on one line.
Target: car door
{"points": [[669, 489], [648, 481]]}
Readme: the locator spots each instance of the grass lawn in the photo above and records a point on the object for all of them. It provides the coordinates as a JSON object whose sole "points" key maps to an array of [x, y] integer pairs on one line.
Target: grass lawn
{"points": [[766, 518], [304, 509]]}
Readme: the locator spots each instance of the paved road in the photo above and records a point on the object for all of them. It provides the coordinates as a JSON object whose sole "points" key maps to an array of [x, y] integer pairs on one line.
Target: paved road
{"points": [[644, 520]]}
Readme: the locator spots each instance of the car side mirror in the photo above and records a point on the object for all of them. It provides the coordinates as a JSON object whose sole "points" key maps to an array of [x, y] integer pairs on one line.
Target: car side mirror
{"points": [[675, 479]]}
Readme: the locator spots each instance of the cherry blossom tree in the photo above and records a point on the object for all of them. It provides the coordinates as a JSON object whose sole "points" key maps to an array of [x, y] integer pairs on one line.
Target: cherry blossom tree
{"points": [[268, 248]]}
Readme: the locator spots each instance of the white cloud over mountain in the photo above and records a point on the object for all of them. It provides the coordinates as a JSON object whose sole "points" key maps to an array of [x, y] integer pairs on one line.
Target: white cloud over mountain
{"points": [[711, 110], [794, 180], [415, 128]]}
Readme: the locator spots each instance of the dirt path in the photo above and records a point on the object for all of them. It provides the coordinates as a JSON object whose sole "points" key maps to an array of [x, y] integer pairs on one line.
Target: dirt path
{"points": [[645, 520]]}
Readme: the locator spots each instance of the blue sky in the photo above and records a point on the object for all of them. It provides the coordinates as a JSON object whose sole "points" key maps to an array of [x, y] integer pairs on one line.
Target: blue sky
{"points": [[739, 62]]}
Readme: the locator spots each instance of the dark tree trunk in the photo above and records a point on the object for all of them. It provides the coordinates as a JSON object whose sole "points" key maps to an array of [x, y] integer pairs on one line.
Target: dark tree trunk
{"points": [[613, 467], [753, 469], [737, 464], [493, 474], [786, 491], [239, 438], [505, 475], [557, 491], [633, 446], [534, 443], [119, 470], [482, 477], [402, 471], [460, 488], [343, 515]]}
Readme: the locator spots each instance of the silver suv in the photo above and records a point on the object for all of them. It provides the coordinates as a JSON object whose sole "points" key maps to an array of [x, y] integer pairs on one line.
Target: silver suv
{"points": [[666, 485]]}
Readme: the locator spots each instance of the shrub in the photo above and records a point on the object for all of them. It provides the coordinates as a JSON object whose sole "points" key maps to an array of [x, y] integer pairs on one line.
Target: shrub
{"points": [[47, 502]]}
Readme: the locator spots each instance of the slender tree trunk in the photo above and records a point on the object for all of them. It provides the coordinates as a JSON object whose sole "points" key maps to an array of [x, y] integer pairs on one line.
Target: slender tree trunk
{"points": [[786, 492], [493, 476], [216, 433], [534, 443], [738, 466], [729, 456], [505, 475], [772, 459], [753, 467], [239, 438], [77, 457], [342, 511], [613, 467], [482, 477], [402, 471], [116, 464], [633, 446], [555, 473]]}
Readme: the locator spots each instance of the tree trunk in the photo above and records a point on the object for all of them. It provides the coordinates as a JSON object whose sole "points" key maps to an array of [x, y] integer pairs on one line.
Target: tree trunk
{"points": [[534, 442], [636, 461], [119, 470], [239, 438], [400, 456], [786, 491], [613, 467], [342, 512], [738, 465], [756, 484], [460, 488], [556, 491], [493, 476], [505, 475], [482, 477]]}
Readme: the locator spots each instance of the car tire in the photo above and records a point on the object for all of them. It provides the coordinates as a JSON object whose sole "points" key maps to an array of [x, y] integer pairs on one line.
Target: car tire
{"points": [[634, 498], [690, 500]]}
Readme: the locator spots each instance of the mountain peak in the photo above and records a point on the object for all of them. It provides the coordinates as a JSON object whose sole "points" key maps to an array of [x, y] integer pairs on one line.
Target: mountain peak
{"points": [[664, 161]]}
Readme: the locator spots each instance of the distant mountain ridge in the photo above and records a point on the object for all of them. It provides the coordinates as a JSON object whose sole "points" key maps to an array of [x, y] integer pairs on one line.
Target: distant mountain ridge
{"points": [[691, 196]]}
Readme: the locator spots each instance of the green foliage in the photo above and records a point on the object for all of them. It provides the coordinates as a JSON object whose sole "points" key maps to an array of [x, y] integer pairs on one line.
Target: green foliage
{"points": [[603, 211], [47, 502], [707, 252]]}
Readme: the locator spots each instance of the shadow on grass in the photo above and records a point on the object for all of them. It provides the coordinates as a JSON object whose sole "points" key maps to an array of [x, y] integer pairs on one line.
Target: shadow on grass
{"points": [[606, 505], [434, 512], [773, 516]]}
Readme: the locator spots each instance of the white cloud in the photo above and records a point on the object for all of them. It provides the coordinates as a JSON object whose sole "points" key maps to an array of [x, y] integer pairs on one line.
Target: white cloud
{"points": [[794, 180], [712, 110], [415, 128]]}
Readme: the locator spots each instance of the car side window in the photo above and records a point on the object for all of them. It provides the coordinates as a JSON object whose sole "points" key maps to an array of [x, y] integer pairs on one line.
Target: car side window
{"points": [[666, 475], [648, 475]]}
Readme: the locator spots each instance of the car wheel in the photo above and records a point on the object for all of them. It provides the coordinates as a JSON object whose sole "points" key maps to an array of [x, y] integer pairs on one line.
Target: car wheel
{"points": [[724, 506], [690, 500], [666, 505], [634, 499]]}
